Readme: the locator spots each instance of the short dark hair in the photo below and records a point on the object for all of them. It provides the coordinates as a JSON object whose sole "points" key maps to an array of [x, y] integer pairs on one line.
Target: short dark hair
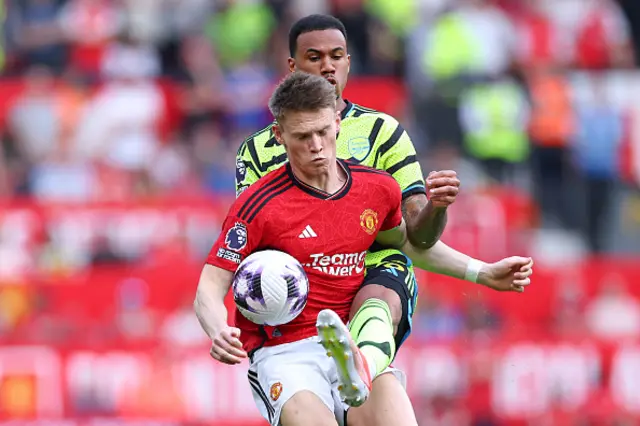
{"points": [[300, 91], [313, 23]]}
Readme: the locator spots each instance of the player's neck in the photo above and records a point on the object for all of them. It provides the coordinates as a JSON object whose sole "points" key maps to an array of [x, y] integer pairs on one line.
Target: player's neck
{"points": [[330, 181], [340, 104]]}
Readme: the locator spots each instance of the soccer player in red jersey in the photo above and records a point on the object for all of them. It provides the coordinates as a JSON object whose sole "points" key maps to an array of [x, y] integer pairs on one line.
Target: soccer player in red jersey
{"points": [[347, 207]]}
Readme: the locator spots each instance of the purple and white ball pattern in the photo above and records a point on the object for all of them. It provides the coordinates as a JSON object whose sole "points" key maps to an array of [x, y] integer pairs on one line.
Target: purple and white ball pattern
{"points": [[270, 288]]}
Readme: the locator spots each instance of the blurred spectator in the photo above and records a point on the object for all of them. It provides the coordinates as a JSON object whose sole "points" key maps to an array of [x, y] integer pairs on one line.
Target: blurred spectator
{"points": [[120, 127], [494, 116], [596, 147], [144, 20], [34, 118], [551, 126], [129, 56], [214, 158], [251, 82], [58, 174], [481, 33], [595, 33], [539, 39], [89, 25], [227, 29], [358, 24], [201, 83], [37, 33]]}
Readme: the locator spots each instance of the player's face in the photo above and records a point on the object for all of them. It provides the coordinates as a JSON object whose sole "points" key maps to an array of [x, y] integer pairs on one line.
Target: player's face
{"points": [[323, 53], [309, 139]]}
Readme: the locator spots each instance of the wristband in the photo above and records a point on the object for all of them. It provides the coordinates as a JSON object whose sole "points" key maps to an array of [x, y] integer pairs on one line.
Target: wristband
{"points": [[473, 270]]}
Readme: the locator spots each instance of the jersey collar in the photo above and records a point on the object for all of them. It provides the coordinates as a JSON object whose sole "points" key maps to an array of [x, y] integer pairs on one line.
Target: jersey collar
{"points": [[347, 109], [318, 193]]}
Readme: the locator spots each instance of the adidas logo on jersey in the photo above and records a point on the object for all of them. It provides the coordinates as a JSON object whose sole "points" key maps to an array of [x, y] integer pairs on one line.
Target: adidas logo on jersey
{"points": [[308, 233]]}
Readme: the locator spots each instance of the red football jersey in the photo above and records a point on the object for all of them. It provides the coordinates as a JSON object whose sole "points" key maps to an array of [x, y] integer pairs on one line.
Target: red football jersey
{"points": [[328, 234]]}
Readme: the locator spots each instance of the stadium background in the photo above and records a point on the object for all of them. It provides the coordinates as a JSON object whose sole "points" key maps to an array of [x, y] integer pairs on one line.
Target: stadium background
{"points": [[119, 122]]}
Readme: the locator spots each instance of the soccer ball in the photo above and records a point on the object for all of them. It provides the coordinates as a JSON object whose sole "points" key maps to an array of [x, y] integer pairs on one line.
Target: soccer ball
{"points": [[270, 288]]}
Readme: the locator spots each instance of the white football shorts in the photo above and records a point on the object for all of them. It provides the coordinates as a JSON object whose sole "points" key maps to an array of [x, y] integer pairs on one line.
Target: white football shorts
{"points": [[278, 372]]}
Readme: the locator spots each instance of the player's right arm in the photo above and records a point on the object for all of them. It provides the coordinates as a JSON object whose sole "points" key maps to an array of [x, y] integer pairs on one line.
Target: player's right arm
{"points": [[212, 314], [240, 236]]}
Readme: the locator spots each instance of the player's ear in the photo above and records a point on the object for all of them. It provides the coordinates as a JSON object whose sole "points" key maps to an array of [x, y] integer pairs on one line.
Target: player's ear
{"points": [[292, 64], [277, 132], [338, 121], [348, 63]]}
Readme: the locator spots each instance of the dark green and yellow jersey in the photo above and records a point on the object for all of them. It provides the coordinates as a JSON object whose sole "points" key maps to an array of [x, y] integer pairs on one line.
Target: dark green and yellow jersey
{"points": [[367, 137]]}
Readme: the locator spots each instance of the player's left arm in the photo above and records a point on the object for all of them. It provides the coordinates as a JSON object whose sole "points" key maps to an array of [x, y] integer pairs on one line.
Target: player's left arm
{"points": [[425, 217], [509, 274]]}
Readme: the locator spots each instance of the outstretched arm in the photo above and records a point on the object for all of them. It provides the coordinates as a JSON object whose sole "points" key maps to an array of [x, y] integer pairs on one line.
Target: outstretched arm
{"points": [[509, 274]]}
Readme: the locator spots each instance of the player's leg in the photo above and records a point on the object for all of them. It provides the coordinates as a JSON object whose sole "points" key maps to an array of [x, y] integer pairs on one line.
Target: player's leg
{"points": [[386, 400], [290, 384], [390, 281], [305, 408], [388, 404], [381, 321], [382, 309]]}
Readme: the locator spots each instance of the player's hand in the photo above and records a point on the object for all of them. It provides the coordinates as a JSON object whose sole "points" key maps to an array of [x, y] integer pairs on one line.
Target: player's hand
{"points": [[442, 188], [226, 346], [509, 274]]}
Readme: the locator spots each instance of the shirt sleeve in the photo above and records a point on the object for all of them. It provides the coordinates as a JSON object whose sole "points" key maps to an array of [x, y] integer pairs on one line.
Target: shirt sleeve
{"points": [[398, 158], [246, 171], [237, 240], [394, 204]]}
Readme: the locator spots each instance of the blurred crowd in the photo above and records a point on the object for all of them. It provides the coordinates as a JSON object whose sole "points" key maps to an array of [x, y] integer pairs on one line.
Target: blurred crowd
{"points": [[112, 100], [108, 99]]}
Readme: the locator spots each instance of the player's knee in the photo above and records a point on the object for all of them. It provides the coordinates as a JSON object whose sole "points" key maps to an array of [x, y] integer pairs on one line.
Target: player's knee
{"points": [[375, 291], [306, 409]]}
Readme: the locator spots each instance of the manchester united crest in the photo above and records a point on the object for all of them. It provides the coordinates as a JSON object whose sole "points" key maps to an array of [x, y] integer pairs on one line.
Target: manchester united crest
{"points": [[276, 390], [369, 221]]}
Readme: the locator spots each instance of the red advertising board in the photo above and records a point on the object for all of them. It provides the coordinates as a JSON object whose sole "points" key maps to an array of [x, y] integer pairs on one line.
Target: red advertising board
{"points": [[525, 379]]}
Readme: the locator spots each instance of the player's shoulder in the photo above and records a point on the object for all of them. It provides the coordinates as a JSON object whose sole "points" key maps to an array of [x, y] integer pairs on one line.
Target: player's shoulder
{"points": [[258, 141], [255, 197], [267, 182], [363, 113], [376, 180], [370, 174]]}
